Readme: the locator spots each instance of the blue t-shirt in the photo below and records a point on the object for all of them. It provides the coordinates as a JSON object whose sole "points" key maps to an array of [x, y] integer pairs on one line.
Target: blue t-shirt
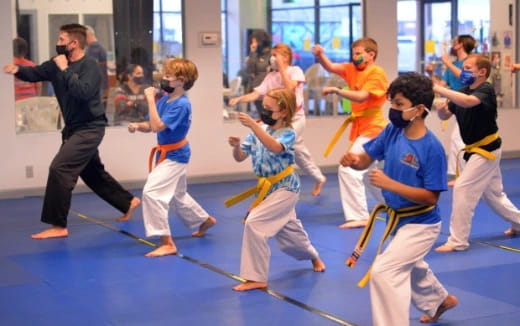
{"points": [[415, 162], [267, 163], [176, 115], [452, 80]]}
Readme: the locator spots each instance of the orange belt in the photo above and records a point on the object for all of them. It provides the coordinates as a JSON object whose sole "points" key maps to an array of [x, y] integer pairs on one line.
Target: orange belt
{"points": [[163, 150]]}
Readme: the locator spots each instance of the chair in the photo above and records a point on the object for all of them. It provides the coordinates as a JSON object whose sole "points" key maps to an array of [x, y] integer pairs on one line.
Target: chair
{"points": [[315, 79], [333, 101], [110, 108], [235, 89], [39, 113]]}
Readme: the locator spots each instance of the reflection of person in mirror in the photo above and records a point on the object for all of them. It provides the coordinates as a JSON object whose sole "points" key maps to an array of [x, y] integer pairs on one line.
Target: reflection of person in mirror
{"points": [[368, 85], [166, 183], [75, 78], [284, 75], [98, 52], [130, 101], [257, 63], [23, 89]]}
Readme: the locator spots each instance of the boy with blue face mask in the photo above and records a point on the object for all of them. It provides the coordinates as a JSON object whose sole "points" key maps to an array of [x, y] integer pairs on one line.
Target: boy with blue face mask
{"points": [[475, 108], [413, 177]]}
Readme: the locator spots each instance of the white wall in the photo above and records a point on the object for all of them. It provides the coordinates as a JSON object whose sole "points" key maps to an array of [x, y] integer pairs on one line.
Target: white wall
{"points": [[125, 155]]}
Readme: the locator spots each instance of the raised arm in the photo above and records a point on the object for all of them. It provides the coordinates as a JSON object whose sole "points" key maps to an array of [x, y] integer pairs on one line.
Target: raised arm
{"points": [[459, 98], [330, 66]]}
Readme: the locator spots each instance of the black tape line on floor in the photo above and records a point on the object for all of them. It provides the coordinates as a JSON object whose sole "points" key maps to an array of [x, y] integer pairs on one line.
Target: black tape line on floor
{"points": [[218, 270]]}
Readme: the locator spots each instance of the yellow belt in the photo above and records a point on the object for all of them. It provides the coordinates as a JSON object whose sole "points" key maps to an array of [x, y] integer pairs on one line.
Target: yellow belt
{"points": [[476, 148], [394, 215], [367, 113], [262, 187]]}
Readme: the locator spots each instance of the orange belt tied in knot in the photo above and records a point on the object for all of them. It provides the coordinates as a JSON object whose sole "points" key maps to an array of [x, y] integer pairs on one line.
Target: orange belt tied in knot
{"points": [[163, 150]]}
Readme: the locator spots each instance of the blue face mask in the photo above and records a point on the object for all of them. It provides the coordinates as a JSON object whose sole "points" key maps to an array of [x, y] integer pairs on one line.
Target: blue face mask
{"points": [[466, 77], [396, 117]]}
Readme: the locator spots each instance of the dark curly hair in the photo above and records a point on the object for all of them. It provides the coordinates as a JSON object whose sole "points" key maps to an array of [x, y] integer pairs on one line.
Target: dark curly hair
{"points": [[415, 87]]}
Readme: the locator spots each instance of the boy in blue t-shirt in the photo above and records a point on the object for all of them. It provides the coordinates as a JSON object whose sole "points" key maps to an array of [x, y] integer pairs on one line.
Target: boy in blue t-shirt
{"points": [[171, 120], [414, 174]]}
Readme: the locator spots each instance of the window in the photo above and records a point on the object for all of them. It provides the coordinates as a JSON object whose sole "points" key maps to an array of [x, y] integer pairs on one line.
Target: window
{"points": [[167, 30], [334, 24], [337, 22]]}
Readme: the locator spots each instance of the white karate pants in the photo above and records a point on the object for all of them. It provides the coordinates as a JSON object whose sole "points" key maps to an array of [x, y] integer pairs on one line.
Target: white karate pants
{"points": [[274, 217], [400, 276], [167, 184], [353, 186], [302, 156], [480, 178]]}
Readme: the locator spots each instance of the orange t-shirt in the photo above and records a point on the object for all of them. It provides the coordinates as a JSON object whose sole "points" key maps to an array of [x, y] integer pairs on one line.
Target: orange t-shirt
{"points": [[372, 79]]}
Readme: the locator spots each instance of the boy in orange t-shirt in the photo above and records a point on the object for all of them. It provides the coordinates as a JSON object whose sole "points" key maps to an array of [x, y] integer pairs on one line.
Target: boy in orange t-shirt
{"points": [[367, 91]]}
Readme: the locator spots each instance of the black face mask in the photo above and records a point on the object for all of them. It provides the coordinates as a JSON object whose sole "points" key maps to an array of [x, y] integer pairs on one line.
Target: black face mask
{"points": [[165, 86], [267, 117], [138, 80], [62, 49]]}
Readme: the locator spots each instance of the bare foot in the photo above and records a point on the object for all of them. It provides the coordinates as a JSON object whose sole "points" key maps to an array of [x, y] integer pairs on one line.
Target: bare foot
{"points": [[163, 250], [444, 248], [133, 205], [210, 221], [510, 232], [318, 265], [451, 183], [250, 285], [52, 232], [317, 187], [448, 303], [354, 224]]}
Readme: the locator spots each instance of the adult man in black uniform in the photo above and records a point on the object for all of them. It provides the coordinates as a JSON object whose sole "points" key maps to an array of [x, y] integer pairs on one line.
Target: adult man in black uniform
{"points": [[76, 79]]}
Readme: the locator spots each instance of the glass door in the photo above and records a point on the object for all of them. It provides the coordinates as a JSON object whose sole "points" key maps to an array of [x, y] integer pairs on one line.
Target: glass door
{"points": [[437, 32]]}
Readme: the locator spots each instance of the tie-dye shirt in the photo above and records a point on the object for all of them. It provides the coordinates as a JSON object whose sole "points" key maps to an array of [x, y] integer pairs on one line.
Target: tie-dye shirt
{"points": [[267, 163]]}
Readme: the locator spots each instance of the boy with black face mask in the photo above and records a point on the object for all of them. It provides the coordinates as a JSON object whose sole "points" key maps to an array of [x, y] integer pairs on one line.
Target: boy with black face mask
{"points": [[166, 183], [414, 174], [475, 108]]}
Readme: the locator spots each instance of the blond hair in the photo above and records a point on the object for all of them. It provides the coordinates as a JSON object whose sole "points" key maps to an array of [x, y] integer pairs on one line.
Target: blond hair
{"points": [[286, 100], [284, 49], [183, 69]]}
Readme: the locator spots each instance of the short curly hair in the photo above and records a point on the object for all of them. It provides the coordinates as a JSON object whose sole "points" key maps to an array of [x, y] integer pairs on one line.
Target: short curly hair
{"points": [[415, 87], [183, 69]]}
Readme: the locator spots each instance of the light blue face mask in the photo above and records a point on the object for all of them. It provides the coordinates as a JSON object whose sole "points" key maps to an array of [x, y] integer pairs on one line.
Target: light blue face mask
{"points": [[466, 77]]}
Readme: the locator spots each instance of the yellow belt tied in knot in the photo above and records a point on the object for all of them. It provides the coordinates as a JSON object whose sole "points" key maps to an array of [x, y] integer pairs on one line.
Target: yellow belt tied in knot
{"points": [[475, 148], [262, 187], [163, 150], [394, 215], [367, 113]]}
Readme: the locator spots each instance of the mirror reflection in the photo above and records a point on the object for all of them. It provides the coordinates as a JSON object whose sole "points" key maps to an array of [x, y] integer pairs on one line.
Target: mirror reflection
{"points": [[129, 47]]}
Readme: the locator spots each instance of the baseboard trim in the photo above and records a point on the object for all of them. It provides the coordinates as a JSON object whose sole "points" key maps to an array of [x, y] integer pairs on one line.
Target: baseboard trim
{"points": [[138, 184]]}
